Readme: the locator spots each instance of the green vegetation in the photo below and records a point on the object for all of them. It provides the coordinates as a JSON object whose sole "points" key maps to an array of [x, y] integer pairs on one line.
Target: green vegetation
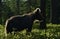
{"points": [[52, 32]]}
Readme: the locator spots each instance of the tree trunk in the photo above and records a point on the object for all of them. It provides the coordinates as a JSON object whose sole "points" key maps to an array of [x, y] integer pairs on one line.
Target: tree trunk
{"points": [[55, 11], [0, 1], [43, 8]]}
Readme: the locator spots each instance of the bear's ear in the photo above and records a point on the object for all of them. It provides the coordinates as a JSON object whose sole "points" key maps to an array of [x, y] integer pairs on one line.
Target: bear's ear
{"points": [[38, 9]]}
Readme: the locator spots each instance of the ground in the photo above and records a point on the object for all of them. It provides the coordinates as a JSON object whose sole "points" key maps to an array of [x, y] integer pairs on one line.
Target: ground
{"points": [[52, 32]]}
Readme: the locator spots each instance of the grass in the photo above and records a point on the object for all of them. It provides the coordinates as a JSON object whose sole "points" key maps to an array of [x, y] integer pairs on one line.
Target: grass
{"points": [[52, 32]]}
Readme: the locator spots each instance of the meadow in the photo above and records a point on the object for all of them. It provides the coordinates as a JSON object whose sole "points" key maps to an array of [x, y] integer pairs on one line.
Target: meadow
{"points": [[52, 32]]}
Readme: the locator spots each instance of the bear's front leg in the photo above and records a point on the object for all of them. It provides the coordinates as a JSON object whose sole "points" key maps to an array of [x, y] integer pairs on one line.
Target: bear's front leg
{"points": [[29, 28]]}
